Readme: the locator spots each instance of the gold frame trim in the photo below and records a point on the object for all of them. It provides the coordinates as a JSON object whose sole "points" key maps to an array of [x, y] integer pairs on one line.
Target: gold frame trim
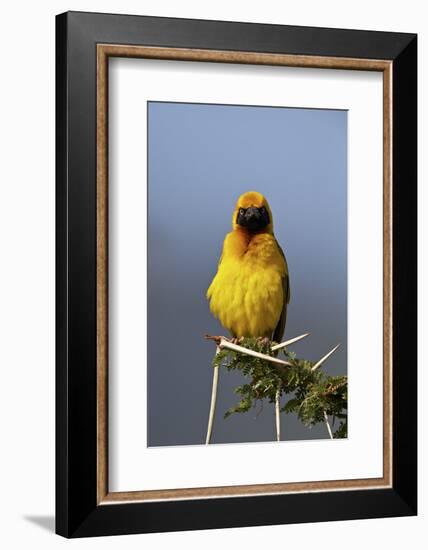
{"points": [[104, 51]]}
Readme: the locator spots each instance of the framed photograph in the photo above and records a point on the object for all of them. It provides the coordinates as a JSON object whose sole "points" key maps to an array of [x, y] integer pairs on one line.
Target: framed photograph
{"points": [[236, 274]]}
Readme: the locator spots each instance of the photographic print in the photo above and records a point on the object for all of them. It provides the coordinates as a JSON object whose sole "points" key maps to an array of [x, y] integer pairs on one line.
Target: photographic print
{"points": [[228, 259], [247, 249]]}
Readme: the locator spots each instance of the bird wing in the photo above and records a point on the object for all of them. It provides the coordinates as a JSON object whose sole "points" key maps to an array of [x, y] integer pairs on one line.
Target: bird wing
{"points": [[280, 327]]}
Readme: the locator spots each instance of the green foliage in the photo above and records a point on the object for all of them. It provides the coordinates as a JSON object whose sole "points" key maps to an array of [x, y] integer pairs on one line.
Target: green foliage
{"points": [[313, 392]]}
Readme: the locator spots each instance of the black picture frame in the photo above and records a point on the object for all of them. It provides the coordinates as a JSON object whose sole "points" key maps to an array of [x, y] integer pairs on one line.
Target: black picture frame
{"points": [[77, 511]]}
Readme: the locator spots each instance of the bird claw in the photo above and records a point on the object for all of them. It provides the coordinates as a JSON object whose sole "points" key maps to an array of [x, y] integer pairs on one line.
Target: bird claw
{"points": [[216, 339], [264, 341]]}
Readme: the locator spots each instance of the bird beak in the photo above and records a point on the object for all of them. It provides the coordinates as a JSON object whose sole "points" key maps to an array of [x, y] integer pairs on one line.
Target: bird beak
{"points": [[252, 216]]}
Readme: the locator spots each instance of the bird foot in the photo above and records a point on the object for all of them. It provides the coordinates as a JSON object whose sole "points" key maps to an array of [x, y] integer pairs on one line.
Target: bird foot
{"points": [[216, 339], [264, 341]]}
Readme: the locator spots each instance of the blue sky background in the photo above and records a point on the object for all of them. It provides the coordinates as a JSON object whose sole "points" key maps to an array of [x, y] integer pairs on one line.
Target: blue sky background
{"points": [[201, 158]]}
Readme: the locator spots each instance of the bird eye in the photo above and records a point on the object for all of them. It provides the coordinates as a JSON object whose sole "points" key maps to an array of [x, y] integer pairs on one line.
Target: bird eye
{"points": [[241, 211], [262, 209]]}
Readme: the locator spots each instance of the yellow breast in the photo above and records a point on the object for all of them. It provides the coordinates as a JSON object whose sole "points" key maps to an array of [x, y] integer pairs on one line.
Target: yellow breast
{"points": [[247, 292]]}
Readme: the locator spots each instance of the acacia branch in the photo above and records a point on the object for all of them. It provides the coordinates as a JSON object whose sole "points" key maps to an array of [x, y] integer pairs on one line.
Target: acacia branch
{"points": [[223, 342], [315, 392]]}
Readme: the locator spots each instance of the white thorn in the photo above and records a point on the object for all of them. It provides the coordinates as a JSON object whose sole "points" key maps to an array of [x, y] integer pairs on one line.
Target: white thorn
{"points": [[326, 356], [213, 401], [330, 433], [277, 415], [288, 342], [234, 347]]}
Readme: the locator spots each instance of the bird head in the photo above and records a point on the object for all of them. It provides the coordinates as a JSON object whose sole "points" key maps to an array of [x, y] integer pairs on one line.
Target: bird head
{"points": [[252, 213]]}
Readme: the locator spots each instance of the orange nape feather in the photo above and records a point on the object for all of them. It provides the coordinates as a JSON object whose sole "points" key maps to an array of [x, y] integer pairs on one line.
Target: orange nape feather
{"points": [[250, 291]]}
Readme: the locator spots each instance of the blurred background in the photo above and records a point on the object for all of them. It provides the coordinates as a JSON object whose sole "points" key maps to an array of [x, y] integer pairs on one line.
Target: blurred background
{"points": [[201, 158]]}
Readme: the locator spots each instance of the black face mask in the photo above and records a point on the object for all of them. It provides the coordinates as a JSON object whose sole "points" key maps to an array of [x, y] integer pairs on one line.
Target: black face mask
{"points": [[254, 219]]}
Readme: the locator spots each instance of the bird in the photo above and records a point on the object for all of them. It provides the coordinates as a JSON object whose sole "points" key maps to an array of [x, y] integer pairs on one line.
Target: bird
{"points": [[250, 292]]}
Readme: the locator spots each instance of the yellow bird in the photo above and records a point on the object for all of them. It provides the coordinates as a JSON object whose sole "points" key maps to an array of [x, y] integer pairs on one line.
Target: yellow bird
{"points": [[251, 290]]}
